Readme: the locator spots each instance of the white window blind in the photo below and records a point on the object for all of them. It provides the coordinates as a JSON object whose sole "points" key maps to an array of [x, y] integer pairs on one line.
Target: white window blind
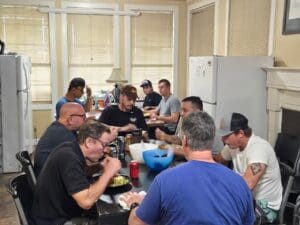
{"points": [[90, 49], [26, 31], [152, 48]]}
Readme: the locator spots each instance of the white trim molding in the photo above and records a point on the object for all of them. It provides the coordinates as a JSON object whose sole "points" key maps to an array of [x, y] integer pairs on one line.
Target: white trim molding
{"points": [[86, 11], [283, 86]]}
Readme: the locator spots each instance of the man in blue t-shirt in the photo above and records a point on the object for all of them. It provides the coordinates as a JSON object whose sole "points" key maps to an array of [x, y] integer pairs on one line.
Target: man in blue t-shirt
{"points": [[75, 91], [199, 191]]}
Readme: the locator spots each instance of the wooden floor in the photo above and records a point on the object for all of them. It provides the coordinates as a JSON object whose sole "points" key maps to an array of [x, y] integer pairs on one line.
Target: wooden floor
{"points": [[8, 212]]}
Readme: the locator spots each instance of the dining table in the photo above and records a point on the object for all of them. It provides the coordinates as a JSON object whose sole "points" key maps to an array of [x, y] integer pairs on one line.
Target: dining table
{"points": [[108, 210]]}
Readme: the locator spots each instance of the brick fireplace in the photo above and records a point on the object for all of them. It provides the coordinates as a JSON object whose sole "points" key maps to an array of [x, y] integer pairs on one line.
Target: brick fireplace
{"points": [[283, 85]]}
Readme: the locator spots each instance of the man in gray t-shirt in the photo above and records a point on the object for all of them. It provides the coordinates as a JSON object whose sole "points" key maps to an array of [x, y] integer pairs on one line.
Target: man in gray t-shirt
{"points": [[169, 107]]}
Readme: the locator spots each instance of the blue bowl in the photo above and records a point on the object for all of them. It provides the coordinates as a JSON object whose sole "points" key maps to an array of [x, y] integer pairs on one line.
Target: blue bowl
{"points": [[158, 160]]}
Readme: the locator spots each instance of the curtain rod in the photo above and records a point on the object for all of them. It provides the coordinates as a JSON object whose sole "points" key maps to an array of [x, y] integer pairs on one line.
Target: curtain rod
{"points": [[88, 11]]}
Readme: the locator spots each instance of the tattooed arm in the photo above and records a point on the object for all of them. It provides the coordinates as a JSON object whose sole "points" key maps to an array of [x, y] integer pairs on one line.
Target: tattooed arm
{"points": [[253, 173]]}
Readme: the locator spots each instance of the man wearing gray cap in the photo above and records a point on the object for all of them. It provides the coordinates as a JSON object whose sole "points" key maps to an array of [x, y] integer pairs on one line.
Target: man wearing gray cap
{"points": [[152, 98], [255, 160]]}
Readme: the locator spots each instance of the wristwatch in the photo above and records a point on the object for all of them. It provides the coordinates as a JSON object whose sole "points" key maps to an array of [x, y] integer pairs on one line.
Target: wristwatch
{"points": [[134, 205]]}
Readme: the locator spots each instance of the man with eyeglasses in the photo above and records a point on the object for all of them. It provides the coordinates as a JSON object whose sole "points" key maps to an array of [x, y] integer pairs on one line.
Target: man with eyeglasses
{"points": [[72, 116], [64, 190], [75, 91]]}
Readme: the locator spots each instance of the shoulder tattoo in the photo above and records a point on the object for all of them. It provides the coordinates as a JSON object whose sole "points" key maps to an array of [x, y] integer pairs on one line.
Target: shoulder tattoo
{"points": [[255, 168]]}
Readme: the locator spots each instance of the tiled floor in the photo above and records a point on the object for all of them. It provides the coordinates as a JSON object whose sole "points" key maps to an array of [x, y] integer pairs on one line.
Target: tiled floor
{"points": [[8, 212]]}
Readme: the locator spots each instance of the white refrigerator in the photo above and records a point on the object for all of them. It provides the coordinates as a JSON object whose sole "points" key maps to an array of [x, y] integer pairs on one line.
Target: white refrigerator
{"points": [[232, 84], [15, 108]]}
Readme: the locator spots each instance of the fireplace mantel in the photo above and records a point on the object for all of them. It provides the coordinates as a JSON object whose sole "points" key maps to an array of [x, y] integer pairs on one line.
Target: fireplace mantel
{"points": [[283, 84]]}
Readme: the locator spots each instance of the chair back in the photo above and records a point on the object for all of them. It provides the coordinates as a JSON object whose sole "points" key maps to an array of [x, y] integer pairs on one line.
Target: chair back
{"points": [[296, 214], [27, 167], [22, 194], [287, 149]]}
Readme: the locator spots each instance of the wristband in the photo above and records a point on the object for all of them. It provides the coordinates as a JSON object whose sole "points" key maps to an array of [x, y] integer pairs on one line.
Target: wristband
{"points": [[134, 205]]}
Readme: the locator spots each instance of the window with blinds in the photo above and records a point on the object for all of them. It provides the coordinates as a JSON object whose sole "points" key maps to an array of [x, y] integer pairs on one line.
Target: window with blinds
{"points": [[26, 31], [151, 48], [202, 31], [90, 49]]}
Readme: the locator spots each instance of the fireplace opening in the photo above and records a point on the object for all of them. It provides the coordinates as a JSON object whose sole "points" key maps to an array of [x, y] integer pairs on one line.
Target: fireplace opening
{"points": [[290, 122]]}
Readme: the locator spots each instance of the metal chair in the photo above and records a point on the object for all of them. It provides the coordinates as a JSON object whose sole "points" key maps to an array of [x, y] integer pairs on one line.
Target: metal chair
{"points": [[27, 167], [22, 194]]}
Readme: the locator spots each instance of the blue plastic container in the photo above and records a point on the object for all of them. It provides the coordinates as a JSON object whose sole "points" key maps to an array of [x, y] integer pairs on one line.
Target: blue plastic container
{"points": [[158, 160]]}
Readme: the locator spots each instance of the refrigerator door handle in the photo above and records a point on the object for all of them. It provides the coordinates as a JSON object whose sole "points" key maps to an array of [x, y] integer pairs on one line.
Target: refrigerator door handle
{"points": [[26, 89], [211, 103]]}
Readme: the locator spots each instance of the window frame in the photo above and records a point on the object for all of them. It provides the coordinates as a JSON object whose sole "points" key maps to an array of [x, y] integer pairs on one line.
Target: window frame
{"points": [[64, 30], [127, 37], [52, 49]]}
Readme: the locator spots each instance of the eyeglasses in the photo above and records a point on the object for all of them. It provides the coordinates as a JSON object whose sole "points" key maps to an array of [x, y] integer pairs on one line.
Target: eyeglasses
{"points": [[104, 145], [80, 115]]}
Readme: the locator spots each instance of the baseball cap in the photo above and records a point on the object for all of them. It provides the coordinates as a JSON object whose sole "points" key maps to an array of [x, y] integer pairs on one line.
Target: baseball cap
{"points": [[129, 91], [146, 83], [231, 123]]}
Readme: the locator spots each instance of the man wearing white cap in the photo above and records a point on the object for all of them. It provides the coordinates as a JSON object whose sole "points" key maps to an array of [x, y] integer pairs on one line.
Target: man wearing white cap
{"points": [[255, 160], [152, 98]]}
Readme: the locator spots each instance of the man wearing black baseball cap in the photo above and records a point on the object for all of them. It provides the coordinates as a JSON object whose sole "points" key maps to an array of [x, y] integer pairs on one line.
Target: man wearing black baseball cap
{"points": [[125, 116], [255, 160], [152, 98]]}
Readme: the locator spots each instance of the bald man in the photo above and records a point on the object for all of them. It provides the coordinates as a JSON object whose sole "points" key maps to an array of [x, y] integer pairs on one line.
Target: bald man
{"points": [[72, 116]]}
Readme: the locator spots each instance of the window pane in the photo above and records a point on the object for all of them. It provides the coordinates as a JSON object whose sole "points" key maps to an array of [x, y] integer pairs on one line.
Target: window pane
{"points": [[152, 41], [26, 31], [90, 49], [40, 83], [90, 39], [152, 48], [95, 76]]}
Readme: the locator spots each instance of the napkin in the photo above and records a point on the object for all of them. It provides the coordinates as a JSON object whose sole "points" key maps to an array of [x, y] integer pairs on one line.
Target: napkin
{"points": [[123, 204]]}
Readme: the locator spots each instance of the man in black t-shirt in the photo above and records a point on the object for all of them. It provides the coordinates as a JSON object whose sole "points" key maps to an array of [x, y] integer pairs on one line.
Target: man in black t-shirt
{"points": [[63, 189], [72, 116], [152, 98], [125, 116]]}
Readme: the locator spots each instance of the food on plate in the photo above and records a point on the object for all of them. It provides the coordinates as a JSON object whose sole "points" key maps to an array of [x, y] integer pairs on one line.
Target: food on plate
{"points": [[164, 146], [118, 181]]}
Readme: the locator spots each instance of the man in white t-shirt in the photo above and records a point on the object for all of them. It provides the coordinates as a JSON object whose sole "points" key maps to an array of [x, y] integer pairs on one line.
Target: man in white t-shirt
{"points": [[255, 160]]}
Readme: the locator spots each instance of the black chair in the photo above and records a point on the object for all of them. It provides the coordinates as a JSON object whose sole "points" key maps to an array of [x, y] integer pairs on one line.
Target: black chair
{"points": [[22, 194], [27, 167], [296, 214], [287, 149]]}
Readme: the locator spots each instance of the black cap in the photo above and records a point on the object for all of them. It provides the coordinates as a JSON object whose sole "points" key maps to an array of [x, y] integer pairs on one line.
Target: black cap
{"points": [[231, 123], [146, 83]]}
